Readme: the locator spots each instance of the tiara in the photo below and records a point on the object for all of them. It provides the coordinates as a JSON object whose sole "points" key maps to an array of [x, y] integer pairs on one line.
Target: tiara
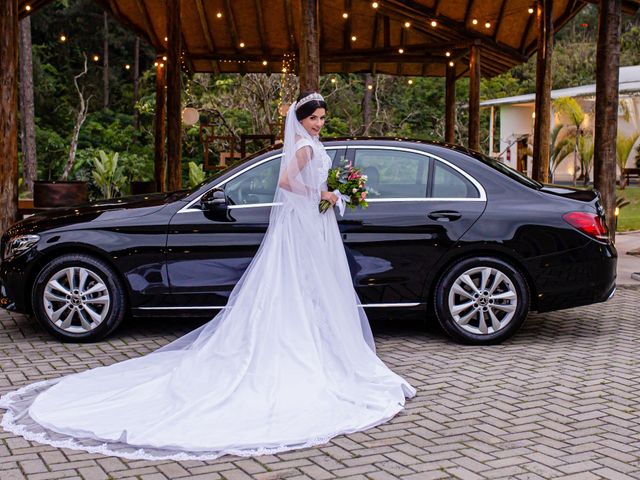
{"points": [[308, 98]]}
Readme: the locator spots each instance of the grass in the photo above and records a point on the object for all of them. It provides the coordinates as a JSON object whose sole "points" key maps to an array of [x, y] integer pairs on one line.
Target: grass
{"points": [[629, 218]]}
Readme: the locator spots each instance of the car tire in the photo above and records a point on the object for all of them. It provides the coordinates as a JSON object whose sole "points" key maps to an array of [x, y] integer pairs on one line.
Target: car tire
{"points": [[481, 301], [78, 298]]}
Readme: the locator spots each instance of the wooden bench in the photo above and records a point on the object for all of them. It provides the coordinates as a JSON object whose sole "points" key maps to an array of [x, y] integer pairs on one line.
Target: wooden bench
{"points": [[630, 173]]}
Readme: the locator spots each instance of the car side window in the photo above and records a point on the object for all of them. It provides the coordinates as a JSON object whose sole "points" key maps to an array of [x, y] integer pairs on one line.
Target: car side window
{"points": [[449, 183], [393, 173], [257, 185]]}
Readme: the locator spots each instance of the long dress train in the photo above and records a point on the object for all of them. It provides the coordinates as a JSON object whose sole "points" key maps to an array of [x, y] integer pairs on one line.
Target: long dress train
{"points": [[289, 364]]}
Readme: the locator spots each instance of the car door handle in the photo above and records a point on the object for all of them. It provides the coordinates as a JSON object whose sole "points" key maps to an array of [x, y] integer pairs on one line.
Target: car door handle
{"points": [[444, 215]]}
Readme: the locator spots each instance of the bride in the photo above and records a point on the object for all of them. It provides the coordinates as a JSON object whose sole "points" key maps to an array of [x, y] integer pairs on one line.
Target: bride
{"points": [[290, 363]]}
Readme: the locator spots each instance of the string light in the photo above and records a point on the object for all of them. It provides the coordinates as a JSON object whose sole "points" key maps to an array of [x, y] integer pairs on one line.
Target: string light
{"points": [[333, 80], [447, 54], [28, 8], [63, 38], [166, 39], [162, 65], [284, 69], [241, 44], [219, 14], [401, 50], [530, 10], [487, 25], [345, 15], [127, 66], [451, 64], [434, 23], [474, 21], [155, 64], [96, 58], [370, 87], [353, 38], [264, 62], [164, 58], [407, 24], [410, 82], [375, 4]]}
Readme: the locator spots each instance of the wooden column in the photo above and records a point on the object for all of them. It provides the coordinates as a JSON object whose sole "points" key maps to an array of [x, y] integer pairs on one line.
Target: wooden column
{"points": [[542, 123], [474, 97], [309, 47], [8, 113], [606, 121], [450, 105], [174, 120], [160, 163]]}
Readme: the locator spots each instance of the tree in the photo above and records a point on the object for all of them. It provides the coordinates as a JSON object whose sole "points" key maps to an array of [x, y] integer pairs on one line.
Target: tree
{"points": [[561, 147], [27, 108]]}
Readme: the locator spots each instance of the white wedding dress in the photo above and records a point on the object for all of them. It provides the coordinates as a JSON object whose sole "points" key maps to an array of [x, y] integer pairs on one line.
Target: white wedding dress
{"points": [[290, 363]]}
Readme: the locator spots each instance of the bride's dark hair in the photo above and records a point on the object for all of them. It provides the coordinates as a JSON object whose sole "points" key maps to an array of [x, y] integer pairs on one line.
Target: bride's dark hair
{"points": [[309, 107]]}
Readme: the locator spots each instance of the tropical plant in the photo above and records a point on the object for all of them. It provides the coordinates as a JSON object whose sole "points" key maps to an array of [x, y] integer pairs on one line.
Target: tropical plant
{"points": [[559, 148], [624, 145], [573, 111], [108, 175], [196, 174], [585, 151]]}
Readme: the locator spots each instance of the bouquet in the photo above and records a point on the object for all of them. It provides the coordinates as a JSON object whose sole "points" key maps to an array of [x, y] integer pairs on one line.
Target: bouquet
{"points": [[349, 184]]}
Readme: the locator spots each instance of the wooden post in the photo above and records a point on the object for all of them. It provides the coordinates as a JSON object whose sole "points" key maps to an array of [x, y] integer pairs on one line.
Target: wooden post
{"points": [[450, 105], [474, 97], [174, 114], [27, 106], [542, 123], [606, 121], [309, 47], [160, 163], [8, 113]]}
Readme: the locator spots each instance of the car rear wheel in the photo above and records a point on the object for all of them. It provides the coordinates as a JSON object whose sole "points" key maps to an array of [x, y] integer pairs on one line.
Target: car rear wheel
{"points": [[481, 300], [78, 298]]}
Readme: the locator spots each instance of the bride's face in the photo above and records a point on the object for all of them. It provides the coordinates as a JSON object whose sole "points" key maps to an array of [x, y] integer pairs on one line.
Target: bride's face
{"points": [[314, 122]]}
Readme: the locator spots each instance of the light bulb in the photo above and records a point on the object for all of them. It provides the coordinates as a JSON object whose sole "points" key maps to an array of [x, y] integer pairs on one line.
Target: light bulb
{"points": [[401, 50], [375, 5], [434, 23], [353, 38], [474, 21], [345, 15], [447, 54], [407, 24], [63, 38]]}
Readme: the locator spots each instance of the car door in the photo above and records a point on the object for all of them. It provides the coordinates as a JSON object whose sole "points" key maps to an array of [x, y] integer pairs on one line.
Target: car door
{"points": [[419, 206], [206, 254]]}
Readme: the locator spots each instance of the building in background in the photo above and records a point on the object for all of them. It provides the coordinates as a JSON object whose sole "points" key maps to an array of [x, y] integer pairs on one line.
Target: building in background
{"points": [[516, 117]]}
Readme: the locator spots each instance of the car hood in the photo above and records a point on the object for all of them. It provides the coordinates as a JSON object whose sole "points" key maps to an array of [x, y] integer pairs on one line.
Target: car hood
{"points": [[102, 210]]}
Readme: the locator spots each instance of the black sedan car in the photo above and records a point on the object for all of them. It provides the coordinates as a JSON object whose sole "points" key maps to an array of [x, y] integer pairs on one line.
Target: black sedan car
{"points": [[447, 230]]}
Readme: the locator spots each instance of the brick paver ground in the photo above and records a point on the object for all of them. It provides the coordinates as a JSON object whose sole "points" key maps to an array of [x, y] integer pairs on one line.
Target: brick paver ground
{"points": [[559, 400]]}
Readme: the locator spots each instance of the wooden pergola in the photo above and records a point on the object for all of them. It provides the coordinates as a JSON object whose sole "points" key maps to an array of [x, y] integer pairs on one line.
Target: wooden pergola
{"points": [[445, 38]]}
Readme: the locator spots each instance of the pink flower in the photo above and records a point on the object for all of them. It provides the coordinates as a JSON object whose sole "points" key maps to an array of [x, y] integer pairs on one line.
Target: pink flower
{"points": [[363, 195]]}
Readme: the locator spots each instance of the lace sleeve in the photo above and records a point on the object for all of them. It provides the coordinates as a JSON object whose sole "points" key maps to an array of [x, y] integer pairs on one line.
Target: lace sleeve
{"points": [[298, 176]]}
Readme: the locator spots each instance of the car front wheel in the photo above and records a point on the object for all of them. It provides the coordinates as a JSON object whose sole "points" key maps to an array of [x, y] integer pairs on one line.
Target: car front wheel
{"points": [[78, 298], [481, 300]]}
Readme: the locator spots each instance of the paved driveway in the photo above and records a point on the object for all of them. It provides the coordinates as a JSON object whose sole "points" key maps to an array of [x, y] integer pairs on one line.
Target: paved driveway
{"points": [[561, 399]]}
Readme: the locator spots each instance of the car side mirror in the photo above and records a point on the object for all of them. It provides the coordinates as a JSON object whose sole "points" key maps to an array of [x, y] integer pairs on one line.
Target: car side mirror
{"points": [[214, 200]]}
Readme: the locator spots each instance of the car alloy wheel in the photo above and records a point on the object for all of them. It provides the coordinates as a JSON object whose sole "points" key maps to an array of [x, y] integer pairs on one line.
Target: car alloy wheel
{"points": [[481, 300], [76, 300]]}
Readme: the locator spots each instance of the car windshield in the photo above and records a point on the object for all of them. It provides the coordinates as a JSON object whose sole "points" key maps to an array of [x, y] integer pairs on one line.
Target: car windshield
{"points": [[508, 171]]}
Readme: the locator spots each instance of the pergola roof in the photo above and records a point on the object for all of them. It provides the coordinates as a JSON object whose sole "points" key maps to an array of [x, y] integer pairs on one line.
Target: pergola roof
{"points": [[239, 36]]}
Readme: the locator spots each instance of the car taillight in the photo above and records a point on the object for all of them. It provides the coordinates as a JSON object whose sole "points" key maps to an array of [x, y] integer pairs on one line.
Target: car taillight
{"points": [[588, 223]]}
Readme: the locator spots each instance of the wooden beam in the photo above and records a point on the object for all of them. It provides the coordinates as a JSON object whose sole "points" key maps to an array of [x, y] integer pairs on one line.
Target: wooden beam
{"points": [[309, 47], [160, 163], [450, 105], [542, 122], [374, 39], [414, 8], [606, 121], [233, 31], [569, 12], [148, 25], [174, 113], [261, 31], [346, 31], [467, 12], [387, 31], [474, 98], [525, 32], [291, 32], [8, 113], [498, 23], [206, 31], [436, 7]]}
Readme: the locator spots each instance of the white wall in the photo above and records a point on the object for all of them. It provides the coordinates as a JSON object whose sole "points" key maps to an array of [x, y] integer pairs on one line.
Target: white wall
{"points": [[515, 120]]}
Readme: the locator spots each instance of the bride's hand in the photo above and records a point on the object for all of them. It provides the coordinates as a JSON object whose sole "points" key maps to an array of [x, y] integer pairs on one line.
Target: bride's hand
{"points": [[330, 197]]}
